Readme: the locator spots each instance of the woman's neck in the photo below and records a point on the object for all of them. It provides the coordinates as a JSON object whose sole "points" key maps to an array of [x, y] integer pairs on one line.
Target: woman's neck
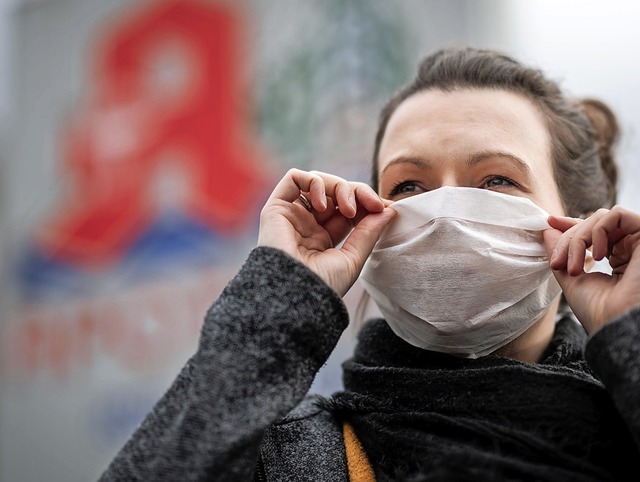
{"points": [[530, 346]]}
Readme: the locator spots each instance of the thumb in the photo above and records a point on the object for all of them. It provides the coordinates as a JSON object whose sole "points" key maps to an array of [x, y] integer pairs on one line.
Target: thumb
{"points": [[364, 236], [551, 237]]}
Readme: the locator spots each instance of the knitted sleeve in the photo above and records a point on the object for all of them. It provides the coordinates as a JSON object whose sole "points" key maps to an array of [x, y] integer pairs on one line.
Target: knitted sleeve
{"points": [[262, 342], [613, 353]]}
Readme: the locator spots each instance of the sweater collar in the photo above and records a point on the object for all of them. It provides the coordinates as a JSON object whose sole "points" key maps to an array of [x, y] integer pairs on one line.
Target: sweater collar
{"points": [[379, 346]]}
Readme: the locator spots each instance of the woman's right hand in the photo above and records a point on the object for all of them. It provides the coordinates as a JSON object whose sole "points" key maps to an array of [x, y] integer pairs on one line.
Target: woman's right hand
{"points": [[340, 209], [597, 298]]}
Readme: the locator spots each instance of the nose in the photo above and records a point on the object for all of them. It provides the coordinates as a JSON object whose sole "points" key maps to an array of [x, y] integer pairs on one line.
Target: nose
{"points": [[450, 180]]}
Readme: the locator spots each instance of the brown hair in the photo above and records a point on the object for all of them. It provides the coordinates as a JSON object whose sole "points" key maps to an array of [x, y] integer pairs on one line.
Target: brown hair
{"points": [[583, 133]]}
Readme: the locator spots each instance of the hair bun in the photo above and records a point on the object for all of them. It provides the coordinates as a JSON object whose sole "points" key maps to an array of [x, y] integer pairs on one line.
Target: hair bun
{"points": [[607, 133]]}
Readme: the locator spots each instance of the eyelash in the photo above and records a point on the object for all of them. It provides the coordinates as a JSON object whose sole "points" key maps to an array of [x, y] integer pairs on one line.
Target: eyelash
{"points": [[398, 185], [401, 183], [503, 178]]}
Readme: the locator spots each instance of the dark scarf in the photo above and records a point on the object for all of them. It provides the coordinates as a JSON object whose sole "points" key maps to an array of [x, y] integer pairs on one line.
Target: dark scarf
{"points": [[424, 416]]}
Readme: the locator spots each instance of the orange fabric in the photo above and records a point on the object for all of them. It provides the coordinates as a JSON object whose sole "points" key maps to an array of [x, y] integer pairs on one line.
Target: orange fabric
{"points": [[359, 467]]}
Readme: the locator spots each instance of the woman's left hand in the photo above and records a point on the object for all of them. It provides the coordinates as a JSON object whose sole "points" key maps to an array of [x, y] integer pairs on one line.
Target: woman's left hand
{"points": [[597, 298]]}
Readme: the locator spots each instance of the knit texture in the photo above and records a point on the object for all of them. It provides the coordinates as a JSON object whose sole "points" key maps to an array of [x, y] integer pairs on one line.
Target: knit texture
{"points": [[262, 342], [238, 411], [429, 416], [614, 354]]}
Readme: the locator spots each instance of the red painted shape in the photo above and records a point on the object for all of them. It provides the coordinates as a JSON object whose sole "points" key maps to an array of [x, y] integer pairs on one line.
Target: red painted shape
{"points": [[166, 96]]}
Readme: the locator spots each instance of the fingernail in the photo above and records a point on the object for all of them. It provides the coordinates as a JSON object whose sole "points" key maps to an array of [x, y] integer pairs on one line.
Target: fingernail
{"points": [[554, 254], [352, 201], [390, 212]]}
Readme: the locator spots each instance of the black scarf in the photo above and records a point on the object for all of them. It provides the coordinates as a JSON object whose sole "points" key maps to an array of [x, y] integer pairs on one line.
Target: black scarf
{"points": [[424, 416]]}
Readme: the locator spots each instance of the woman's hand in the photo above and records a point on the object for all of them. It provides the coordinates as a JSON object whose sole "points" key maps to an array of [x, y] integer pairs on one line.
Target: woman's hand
{"points": [[340, 210], [597, 298]]}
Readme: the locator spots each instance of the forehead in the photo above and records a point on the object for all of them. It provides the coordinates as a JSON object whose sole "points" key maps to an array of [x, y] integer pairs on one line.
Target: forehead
{"points": [[437, 123]]}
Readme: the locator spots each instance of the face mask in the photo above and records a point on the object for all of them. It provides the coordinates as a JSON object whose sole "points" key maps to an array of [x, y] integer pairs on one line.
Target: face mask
{"points": [[462, 270]]}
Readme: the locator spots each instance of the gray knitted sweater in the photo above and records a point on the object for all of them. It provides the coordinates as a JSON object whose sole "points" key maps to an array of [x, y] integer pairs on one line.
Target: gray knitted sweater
{"points": [[239, 409]]}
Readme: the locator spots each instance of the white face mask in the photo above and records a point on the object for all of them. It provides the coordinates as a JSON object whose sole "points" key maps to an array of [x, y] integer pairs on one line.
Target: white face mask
{"points": [[462, 270]]}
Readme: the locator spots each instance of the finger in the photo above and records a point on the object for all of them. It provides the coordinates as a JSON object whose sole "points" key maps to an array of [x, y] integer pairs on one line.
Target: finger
{"points": [[616, 236], [564, 229], [620, 270], [323, 216], [304, 203], [562, 223], [622, 253], [600, 243], [577, 253], [338, 227], [296, 182], [551, 237], [327, 192], [338, 230], [630, 269], [364, 236], [345, 198], [575, 241], [351, 195], [340, 191], [619, 223], [616, 262], [316, 186], [368, 198], [622, 250], [360, 201]]}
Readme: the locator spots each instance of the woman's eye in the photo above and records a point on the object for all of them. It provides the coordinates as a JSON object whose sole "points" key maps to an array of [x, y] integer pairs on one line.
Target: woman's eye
{"points": [[499, 181], [405, 187]]}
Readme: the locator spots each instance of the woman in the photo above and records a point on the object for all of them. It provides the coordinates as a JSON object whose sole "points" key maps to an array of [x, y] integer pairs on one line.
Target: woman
{"points": [[487, 147]]}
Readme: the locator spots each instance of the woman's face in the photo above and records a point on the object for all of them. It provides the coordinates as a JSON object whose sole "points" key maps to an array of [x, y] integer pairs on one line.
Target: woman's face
{"points": [[487, 139]]}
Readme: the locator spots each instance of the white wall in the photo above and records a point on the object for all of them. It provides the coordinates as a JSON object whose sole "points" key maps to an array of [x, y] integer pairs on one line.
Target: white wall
{"points": [[591, 47], [6, 7]]}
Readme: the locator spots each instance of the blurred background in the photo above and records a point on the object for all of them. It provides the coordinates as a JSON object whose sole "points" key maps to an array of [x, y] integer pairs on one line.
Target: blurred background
{"points": [[139, 139]]}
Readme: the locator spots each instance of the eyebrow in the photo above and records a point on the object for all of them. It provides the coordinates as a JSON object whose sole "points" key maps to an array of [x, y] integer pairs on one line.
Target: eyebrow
{"points": [[407, 160], [483, 155], [471, 161]]}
